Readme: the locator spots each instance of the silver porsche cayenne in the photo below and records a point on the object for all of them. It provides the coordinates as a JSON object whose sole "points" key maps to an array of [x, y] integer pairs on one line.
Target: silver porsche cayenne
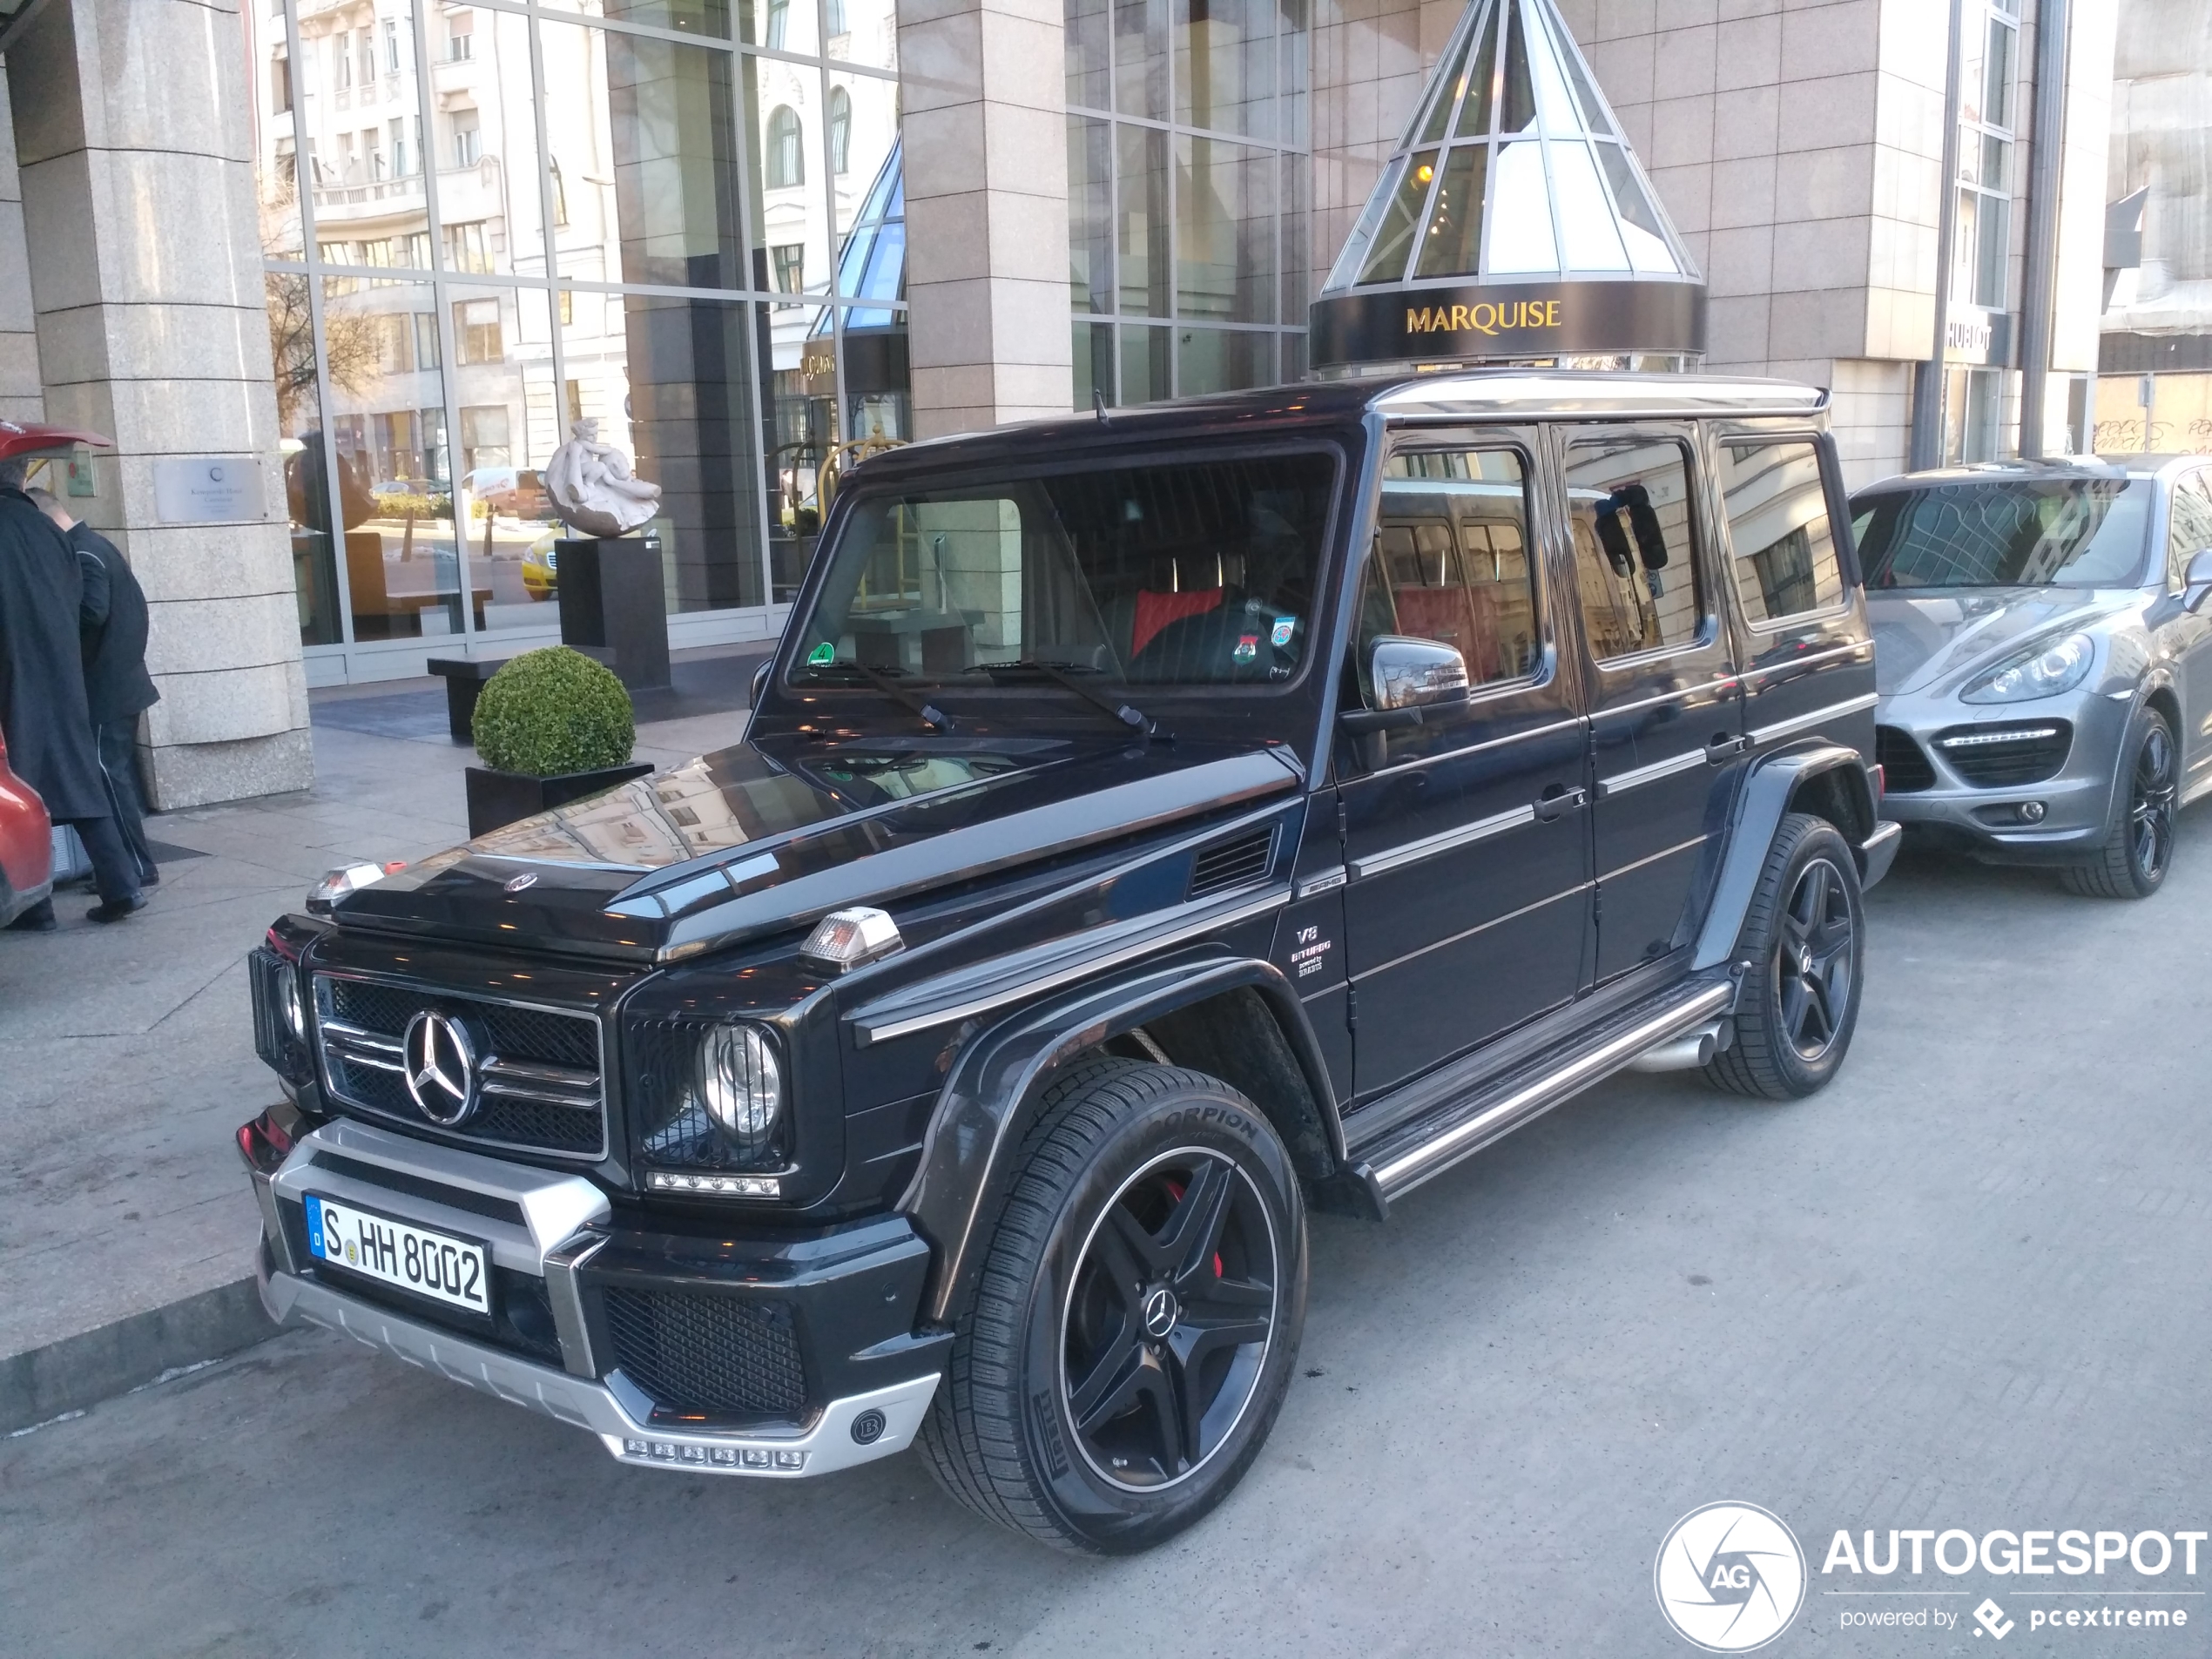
{"points": [[2043, 653]]}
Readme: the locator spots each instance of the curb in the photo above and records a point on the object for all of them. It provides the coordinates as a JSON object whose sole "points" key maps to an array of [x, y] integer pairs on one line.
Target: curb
{"points": [[41, 1384]]}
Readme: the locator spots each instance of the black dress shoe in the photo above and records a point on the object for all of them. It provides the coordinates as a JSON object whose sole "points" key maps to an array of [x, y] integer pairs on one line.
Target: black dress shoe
{"points": [[39, 919], [116, 909]]}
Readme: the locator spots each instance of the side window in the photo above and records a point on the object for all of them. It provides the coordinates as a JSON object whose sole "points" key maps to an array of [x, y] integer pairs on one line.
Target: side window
{"points": [[2192, 527], [1451, 561], [1777, 526], [1636, 564]]}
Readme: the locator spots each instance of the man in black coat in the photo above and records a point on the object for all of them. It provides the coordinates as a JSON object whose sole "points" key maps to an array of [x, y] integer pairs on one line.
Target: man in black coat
{"points": [[118, 689], [43, 710]]}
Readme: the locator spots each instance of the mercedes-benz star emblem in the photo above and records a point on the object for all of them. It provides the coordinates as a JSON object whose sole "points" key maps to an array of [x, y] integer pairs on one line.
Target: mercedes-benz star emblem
{"points": [[440, 1067], [516, 884], [1161, 1313]]}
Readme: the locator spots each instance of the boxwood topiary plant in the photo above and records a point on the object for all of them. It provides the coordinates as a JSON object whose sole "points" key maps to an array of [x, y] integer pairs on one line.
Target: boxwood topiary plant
{"points": [[554, 712]]}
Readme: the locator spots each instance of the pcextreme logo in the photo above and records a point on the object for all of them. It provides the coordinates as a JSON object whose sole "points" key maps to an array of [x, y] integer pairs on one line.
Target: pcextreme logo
{"points": [[1729, 1577]]}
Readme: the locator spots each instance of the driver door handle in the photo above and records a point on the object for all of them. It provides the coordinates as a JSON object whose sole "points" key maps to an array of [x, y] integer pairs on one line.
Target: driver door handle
{"points": [[1726, 747], [1549, 807]]}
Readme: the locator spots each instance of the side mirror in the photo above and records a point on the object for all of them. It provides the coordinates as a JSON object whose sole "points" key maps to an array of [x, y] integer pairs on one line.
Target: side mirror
{"points": [[1411, 673], [760, 682], [2197, 582], [1408, 675]]}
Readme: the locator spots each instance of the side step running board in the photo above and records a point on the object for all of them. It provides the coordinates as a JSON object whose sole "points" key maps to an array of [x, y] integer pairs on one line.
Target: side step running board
{"points": [[1460, 1127]]}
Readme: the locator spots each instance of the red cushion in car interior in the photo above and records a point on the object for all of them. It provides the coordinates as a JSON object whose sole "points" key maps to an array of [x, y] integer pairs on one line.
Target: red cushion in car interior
{"points": [[1155, 610]]}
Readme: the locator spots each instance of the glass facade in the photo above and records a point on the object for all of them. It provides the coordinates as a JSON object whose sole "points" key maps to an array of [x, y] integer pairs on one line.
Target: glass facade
{"points": [[1981, 238], [1188, 183], [481, 224]]}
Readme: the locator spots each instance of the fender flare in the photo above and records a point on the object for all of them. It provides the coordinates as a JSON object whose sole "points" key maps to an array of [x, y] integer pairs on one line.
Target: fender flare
{"points": [[989, 1098], [1760, 807]]}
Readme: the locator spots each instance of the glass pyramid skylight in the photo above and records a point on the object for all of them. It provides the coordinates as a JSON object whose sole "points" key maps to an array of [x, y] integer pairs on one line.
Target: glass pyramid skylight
{"points": [[1512, 170]]}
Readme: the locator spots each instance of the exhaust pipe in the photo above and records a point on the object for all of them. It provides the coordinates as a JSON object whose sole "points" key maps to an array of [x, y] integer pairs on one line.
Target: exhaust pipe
{"points": [[1684, 1053]]}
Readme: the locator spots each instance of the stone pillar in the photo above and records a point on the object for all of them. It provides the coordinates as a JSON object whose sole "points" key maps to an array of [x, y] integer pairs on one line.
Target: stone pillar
{"points": [[985, 129], [21, 397], [144, 278]]}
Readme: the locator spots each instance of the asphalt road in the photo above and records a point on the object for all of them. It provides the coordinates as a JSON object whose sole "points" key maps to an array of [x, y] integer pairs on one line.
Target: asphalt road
{"points": [[1963, 1288]]}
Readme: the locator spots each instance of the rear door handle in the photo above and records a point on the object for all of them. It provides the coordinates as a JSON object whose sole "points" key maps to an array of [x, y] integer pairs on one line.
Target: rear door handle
{"points": [[1567, 800], [1726, 747]]}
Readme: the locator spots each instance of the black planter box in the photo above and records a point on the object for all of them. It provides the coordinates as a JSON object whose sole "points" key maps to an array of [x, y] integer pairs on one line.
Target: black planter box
{"points": [[497, 798]]}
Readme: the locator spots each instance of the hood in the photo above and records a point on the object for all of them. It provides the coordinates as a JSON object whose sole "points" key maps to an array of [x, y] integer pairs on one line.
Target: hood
{"points": [[744, 842], [1924, 636]]}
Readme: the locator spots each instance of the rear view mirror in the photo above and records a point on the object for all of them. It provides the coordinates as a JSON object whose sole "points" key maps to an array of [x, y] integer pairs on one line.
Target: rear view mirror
{"points": [[2197, 582]]}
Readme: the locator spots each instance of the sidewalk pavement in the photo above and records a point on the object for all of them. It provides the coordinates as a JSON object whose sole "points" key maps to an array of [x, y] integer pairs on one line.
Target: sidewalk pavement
{"points": [[126, 1052]]}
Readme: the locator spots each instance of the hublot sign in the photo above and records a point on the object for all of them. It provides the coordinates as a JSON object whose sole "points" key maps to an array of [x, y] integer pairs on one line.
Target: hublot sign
{"points": [[1508, 320]]}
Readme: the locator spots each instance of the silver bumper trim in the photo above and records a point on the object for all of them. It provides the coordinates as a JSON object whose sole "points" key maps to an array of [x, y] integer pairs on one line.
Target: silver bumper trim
{"points": [[553, 1207], [888, 1418]]}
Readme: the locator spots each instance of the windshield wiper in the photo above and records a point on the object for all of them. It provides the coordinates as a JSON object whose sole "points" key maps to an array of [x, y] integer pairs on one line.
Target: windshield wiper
{"points": [[1125, 713], [929, 713]]}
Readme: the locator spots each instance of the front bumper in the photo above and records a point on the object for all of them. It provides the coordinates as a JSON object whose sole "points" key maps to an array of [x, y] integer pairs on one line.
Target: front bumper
{"points": [[2076, 802], [844, 1301]]}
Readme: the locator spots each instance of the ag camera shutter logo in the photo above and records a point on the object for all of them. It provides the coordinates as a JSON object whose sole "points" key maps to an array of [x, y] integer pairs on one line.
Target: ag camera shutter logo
{"points": [[1729, 1577]]}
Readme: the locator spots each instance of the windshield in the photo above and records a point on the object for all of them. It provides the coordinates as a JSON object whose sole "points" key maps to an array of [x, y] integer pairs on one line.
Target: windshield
{"points": [[1196, 572], [2006, 533]]}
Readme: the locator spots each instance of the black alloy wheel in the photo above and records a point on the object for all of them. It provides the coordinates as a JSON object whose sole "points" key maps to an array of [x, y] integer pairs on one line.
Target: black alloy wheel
{"points": [[1803, 942], [1136, 1325], [2135, 856], [1814, 970], [1169, 1317]]}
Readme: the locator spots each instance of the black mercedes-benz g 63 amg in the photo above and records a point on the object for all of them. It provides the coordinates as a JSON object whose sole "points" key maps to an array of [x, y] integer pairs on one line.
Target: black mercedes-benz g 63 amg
{"points": [[1149, 828]]}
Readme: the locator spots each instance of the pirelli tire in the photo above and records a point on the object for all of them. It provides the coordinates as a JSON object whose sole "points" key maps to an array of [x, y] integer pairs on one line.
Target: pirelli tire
{"points": [[1136, 1320], [1804, 937]]}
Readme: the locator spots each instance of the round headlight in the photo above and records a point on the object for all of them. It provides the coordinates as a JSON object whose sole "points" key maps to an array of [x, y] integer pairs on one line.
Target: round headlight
{"points": [[295, 1014], [2044, 672], [741, 1084]]}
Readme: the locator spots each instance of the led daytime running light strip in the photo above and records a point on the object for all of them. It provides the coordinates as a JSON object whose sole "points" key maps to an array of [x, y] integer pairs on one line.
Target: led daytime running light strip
{"points": [[1968, 740], [728, 1186]]}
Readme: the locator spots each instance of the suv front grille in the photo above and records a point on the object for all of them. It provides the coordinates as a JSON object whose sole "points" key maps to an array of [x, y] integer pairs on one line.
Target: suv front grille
{"points": [[2007, 757], [1904, 766], [715, 1355], [537, 1070]]}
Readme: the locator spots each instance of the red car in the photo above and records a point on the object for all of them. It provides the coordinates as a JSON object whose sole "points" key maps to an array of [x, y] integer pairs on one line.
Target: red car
{"points": [[26, 845]]}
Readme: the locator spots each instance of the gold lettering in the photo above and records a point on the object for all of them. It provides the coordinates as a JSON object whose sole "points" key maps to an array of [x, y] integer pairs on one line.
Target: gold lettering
{"points": [[1414, 323], [1551, 313]]}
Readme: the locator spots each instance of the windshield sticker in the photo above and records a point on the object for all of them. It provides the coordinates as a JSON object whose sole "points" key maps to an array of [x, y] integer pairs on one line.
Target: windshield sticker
{"points": [[822, 654], [1280, 634], [1247, 648]]}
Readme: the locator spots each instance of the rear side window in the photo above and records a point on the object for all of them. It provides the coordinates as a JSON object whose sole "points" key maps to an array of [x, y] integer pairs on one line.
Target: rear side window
{"points": [[1785, 550], [1635, 562], [1451, 560]]}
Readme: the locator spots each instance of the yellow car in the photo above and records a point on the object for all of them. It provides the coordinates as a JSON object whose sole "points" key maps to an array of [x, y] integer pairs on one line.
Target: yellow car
{"points": [[539, 579]]}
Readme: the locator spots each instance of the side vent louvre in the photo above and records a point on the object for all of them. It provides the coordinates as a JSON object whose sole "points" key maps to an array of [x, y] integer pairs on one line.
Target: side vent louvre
{"points": [[1230, 863]]}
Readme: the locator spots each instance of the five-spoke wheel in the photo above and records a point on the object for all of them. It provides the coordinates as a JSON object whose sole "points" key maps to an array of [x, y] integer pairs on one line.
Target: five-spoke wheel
{"points": [[1135, 1323], [2134, 857], [1168, 1319], [1801, 944]]}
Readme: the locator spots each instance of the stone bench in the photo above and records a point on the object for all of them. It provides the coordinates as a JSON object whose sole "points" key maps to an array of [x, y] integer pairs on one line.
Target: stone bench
{"points": [[464, 678]]}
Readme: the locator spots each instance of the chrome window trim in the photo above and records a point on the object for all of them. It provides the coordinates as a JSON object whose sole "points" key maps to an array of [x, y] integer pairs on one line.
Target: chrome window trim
{"points": [[1428, 845], [1804, 722], [1543, 731], [1850, 649], [507, 1073]]}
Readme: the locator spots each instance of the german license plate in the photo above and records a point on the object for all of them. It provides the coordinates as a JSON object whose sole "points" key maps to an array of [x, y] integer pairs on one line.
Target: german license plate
{"points": [[456, 1272]]}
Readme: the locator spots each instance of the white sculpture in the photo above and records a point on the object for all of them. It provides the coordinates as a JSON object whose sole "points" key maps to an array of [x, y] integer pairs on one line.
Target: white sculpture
{"points": [[593, 489]]}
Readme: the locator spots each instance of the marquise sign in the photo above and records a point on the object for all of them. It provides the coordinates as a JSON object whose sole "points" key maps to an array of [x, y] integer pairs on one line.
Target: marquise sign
{"points": [[1505, 321]]}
